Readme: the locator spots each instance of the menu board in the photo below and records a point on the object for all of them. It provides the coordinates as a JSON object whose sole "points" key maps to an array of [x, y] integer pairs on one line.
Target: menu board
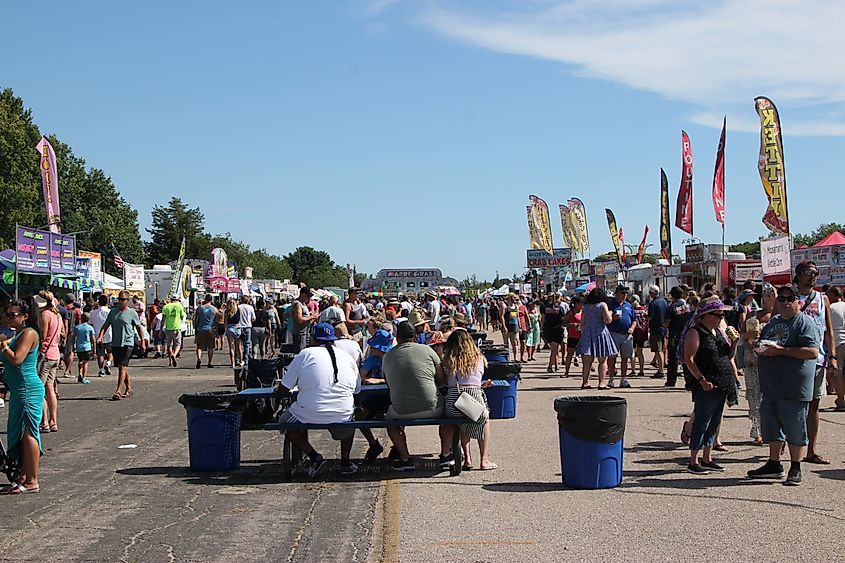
{"points": [[62, 254], [32, 248]]}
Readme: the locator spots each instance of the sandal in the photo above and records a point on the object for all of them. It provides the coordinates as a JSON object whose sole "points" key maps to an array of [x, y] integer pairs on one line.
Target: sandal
{"points": [[466, 467], [116, 397], [17, 489], [685, 435], [586, 387], [602, 387], [127, 393], [54, 428], [720, 448], [817, 459], [757, 442], [44, 429], [489, 467]]}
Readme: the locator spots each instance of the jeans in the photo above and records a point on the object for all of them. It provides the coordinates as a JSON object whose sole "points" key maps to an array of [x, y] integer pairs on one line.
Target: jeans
{"points": [[672, 365], [259, 336], [707, 418], [246, 343]]}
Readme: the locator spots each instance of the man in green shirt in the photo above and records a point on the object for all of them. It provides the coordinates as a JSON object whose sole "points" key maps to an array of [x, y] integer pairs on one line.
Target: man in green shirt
{"points": [[412, 372], [173, 314], [125, 324]]}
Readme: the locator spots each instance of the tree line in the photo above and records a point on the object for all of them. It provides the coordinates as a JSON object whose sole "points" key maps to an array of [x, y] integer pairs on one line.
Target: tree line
{"points": [[104, 221]]}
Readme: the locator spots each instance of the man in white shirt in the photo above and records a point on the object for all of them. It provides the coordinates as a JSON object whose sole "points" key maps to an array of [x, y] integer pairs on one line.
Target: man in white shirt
{"points": [[247, 312], [837, 322], [432, 308], [326, 379], [98, 319]]}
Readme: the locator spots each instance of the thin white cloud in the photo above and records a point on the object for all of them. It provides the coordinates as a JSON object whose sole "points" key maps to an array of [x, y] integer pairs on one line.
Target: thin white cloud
{"points": [[717, 55], [376, 7]]}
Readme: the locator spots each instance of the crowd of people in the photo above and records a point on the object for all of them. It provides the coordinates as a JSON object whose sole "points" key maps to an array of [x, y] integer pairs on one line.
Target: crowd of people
{"points": [[785, 341]]}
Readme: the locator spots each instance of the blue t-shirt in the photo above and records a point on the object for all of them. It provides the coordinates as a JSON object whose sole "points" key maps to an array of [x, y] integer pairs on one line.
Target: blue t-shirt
{"points": [[205, 320], [789, 378], [657, 315], [83, 332], [623, 324], [372, 365]]}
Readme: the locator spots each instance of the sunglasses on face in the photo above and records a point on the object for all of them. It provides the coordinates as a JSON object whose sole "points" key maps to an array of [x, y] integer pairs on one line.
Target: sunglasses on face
{"points": [[11, 315], [123, 299], [719, 314], [811, 273], [787, 299]]}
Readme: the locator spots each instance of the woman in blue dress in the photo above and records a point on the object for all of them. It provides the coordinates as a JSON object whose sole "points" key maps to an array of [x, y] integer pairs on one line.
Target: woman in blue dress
{"points": [[20, 356], [596, 341]]}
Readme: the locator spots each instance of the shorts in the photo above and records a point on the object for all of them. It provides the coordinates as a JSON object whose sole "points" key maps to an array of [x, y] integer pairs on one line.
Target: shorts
{"points": [[784, 420], [84, 355], [657, 342], [234, 331], [624, 343], [47, 371], [221, 329], [121, 355], [840, 363], [103, 349], [337, 433], [819, 389], [639, 342], [573, 341], [436, 412], [204, 340], [174, 337], [512, 337], [553, 334]]}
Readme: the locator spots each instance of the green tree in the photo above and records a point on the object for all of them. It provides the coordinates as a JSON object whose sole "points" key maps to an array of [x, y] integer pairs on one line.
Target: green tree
{"points": [[747, 247], [20, 181], [315, 268], [817, 235], [172, 222]]}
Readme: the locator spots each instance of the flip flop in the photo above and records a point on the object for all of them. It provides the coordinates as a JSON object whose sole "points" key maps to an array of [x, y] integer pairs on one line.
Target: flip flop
{"points": [[54, 428], [586, 387], [18, 489], [466, 467], [490, 467], [685, 436], [44, 429], [116, 397], [127, 394], [720, 448], [817, 459]]}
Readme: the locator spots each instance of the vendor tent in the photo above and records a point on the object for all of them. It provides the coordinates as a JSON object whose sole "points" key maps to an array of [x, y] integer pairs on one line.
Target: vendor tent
{"points": [[833, 238]]}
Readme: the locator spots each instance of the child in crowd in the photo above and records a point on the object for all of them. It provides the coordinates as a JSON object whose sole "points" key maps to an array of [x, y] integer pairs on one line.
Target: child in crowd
{"points": [[85, 346]]}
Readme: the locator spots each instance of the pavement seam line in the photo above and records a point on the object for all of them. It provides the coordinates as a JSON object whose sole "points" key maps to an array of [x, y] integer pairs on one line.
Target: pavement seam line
{"points": [[386, 525]]}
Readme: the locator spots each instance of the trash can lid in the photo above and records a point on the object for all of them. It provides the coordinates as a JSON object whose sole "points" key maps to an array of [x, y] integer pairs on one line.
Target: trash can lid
{"points": [[597, 400]]}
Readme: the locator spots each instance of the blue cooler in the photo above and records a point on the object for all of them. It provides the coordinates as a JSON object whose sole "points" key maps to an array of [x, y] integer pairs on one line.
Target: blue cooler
{"points": [[591, 440], [214, 431]]}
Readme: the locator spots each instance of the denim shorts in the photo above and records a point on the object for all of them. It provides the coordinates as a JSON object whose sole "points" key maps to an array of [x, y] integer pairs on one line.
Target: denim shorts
{"points": [[784, 420], [234, 331]]}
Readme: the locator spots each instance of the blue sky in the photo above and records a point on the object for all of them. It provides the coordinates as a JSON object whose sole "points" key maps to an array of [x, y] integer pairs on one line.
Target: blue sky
{"points": [[410, 134]]}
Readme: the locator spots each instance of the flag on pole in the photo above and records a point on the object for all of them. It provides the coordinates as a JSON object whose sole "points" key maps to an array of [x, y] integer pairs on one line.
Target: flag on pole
{"points": [[570, 238], [614, 235], [50, 184], [719, 178], [539, 218], [641, 249], [118, 261], [665, 220], [578, 218], [770, 166], [622, 245], [683, 210], [174, 285]]}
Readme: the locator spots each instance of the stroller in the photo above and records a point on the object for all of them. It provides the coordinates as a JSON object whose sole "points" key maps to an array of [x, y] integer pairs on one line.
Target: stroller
{"points": [[9, 466]]}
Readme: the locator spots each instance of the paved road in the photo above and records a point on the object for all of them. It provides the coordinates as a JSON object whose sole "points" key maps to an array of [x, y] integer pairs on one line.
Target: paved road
{"points": [[104, 503]]}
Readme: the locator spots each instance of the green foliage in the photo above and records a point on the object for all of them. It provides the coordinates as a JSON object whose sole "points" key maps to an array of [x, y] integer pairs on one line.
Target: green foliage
{"points": [[818, 234], [748, 247], [170, 223], [316, 268]]}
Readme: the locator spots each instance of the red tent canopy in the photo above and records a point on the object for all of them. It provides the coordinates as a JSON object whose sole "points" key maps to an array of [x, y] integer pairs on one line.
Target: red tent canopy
{"points": [[833, 238]]}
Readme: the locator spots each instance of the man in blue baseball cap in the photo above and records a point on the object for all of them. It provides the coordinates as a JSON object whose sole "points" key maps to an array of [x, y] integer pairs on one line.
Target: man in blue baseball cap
{"points": [[327, 379]]}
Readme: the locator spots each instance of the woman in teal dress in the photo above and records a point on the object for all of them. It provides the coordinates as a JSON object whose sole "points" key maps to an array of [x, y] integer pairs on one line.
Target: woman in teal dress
{"points": [[20, 356], [532, 339]]}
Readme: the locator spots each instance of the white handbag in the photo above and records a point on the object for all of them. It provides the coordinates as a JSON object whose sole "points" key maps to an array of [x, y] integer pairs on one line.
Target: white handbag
{"points": [[471, 407]]}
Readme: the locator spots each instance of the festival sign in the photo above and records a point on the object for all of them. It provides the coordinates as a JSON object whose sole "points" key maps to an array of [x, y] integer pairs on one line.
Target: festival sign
{"points": [[837, 275], [62, 254], [719, 178], [774, 254], [614, 235], [683, 210], [133, 277], [95, 264], [542, 259], [641, 248], [174, 285], [32, 248], [578, 218], [745, 272], [770, 166], [49, 184], [539, 222], [665, 220], [570, 234]]}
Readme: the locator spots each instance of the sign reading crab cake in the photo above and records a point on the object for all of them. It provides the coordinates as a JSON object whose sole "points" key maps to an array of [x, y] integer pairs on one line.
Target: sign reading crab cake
{"points": [[541, 259]]}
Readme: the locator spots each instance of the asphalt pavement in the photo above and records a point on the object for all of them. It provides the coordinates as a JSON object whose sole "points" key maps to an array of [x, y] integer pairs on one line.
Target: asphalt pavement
{"points": [[116, 487]]}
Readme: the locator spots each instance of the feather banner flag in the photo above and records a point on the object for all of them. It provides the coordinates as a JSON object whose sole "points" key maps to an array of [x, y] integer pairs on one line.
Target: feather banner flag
{"points": [[570, 236], [50, 184], [614, 235], [719, 178], [622, 246], [770, 166], [641, 249], [665, 220], [683, 210], [578, 218], [539, 221]]}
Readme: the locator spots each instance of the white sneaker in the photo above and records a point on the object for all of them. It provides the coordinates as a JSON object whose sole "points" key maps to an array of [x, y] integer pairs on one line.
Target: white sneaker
{"points": [[101, 373], [2, 403]]}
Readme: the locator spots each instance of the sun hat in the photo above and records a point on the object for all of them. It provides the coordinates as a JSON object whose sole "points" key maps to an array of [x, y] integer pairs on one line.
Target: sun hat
{"points": [[381, 340], [435, 338], [323, 331], [709, 305], [416, 318]]}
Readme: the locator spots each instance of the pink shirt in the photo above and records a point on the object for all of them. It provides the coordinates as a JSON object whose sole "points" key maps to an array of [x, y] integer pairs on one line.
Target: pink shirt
{"points": [[472, 379], [52, 332]]}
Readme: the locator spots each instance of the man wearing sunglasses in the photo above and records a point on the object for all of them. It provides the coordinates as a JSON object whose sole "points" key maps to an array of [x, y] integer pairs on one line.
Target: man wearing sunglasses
{"points": [[816, 306], [788, 348], [124, 323]]}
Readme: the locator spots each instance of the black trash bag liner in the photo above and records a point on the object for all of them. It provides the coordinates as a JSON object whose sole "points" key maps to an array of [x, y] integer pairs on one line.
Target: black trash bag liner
{"points": [[593, 419], [287, 349], [503, 370], [487, 343], [495, 349], [478, 336], [212, 401]]}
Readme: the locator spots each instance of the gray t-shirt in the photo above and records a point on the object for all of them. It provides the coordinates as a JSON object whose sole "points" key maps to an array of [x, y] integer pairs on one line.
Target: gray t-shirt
{"points": [[123, 325], [789, 378], [409, 370]]}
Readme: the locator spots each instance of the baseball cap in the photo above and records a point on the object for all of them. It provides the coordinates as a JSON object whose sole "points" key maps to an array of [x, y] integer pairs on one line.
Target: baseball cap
{"points": [[654, 289], [405, 330], [323, 331], [622, 289], [790, 288]]}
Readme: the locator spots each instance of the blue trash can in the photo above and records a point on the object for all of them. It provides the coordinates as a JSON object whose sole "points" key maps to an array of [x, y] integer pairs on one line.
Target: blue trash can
{"points": [[501, 398], [496, 354], [592, 433], [214, 430]]}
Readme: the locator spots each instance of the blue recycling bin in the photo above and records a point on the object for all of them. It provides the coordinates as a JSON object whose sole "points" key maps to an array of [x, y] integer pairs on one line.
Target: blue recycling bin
{"points": [[214, 431], [501, 398], [592, 433], [496, 354]]}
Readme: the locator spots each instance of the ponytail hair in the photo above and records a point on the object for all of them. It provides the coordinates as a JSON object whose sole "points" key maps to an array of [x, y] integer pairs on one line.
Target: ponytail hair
{"points": [[328, 345]]}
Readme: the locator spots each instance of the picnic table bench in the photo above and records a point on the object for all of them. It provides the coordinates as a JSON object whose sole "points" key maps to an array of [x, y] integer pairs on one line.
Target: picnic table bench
{"points": [[292, 455]]}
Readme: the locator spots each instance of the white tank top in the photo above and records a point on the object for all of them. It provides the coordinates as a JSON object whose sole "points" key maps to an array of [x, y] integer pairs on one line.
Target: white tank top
{"points": [[816, 311]]}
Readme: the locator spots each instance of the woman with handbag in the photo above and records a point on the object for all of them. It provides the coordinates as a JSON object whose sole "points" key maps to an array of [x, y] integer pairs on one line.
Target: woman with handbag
{"points": [[464, 365]]}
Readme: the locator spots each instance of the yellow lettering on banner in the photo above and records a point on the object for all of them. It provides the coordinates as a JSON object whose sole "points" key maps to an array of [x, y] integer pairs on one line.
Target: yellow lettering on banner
{"points": [[770, 136], [772, 154], [773, 171], [768, 117]]}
